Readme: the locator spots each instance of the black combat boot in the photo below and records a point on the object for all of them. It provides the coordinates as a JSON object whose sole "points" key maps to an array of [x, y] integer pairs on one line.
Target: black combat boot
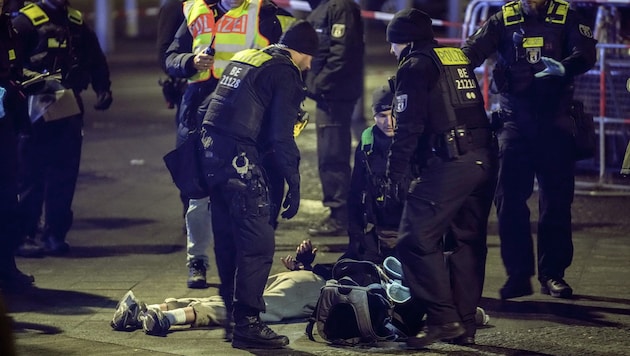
{"points": [[252, 333]]}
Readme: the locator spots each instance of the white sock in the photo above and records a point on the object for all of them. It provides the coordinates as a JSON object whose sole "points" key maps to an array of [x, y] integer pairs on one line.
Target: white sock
{"points": [[176, 316]]}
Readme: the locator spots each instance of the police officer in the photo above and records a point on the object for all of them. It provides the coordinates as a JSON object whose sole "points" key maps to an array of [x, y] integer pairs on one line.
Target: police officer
{"points": [[541, 45], [169, 19], [253, 108], [335, 83], [13, 117], [57, 40], [443, 133], [371, 222], [188, 57]]}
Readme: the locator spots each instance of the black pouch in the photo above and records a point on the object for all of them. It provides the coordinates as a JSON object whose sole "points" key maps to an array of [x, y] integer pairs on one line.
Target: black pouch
{"points": [[185, 168], [583, 131]]}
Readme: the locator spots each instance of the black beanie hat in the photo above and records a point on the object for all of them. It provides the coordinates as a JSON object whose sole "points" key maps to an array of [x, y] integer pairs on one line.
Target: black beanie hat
{"points": [[409, 25], [382, 100], [301, 37]]}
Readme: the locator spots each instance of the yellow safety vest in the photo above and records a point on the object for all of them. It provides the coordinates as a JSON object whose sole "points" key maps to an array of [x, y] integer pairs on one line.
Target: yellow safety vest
{"points": [[200, 21], [285, 21], [235, 31]]}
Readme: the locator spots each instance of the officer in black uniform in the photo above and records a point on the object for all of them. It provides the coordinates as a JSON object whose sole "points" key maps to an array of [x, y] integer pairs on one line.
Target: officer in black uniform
{"points": [[541, 46], [13, 118], [181, 62], [57, 39], [170, 18], [335, 83], [253, 109], [372, 224], [443, 133]]}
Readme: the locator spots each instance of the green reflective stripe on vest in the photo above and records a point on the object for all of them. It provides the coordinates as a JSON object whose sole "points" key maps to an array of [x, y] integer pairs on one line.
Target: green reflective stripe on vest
{"points": [[35, 14], [75, 16], [200, 21], [285, 21], [236, 31], [367, 140]]}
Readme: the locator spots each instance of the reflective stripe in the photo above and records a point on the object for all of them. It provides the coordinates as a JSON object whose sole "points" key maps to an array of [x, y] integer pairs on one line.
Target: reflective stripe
{"points": [[556, 12], [512, 13], [237, 30], [38, 16], [252, 57], [285, 21], [75, 16], [200, 22], [35, 13]]}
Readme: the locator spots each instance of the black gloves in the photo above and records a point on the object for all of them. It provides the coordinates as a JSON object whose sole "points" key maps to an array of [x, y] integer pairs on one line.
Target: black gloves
{"points": [[396, 190], [292, 199], [103, 100]]}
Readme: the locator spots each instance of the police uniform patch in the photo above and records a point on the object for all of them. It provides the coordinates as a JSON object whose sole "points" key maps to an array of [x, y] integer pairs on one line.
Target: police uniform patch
{"points": [[586, 31], [338, 30], [533, 55], [401, 103]]}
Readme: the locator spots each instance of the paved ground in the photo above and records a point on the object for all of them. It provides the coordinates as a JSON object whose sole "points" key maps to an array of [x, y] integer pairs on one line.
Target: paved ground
{"points": [[127, 234]]}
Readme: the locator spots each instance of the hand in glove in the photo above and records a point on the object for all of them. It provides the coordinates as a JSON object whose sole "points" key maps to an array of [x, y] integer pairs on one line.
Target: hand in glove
{"points": [[553, 68], [103, 100], [291, 202], [395, 191]]}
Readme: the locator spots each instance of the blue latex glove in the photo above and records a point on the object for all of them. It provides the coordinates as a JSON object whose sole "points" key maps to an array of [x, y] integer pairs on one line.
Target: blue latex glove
{"points": [[553, 68], [2, 92]]}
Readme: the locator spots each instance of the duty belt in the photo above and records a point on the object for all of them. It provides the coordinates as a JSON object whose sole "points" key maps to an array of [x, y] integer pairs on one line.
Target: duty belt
{"points": [[459, 141]]}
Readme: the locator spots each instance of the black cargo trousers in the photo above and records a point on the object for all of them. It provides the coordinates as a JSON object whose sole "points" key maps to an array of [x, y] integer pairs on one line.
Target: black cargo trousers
{"points": [[454, 197]]}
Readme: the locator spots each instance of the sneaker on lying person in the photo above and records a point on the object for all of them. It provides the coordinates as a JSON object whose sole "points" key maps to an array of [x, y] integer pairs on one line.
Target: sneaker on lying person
{"points": [[128, 314], [155, 322]]}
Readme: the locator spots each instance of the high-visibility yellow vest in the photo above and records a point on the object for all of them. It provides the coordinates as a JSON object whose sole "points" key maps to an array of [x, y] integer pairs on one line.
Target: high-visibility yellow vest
{"points": [[200, 21], [235, 31]]}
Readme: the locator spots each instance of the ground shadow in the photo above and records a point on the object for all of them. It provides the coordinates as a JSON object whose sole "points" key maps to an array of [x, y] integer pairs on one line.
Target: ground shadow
{"points": [[119, 250], [20, 327], [110, 223], [56, 302], [578, 314]]}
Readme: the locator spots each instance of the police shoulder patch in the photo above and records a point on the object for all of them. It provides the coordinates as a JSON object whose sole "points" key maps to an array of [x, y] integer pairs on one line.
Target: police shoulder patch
{"points": [[586, 31], [338, 30], [401, 102]]}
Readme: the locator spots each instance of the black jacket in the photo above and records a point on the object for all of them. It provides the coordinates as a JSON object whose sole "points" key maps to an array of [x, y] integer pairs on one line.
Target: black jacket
{"points": [[570, 43], [337, 69], [82, 61], [10, 73], [257, 115], [169, 20]]}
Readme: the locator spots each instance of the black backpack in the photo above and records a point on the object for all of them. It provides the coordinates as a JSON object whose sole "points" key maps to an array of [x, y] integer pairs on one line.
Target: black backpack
{"points": [[353, 307]]}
